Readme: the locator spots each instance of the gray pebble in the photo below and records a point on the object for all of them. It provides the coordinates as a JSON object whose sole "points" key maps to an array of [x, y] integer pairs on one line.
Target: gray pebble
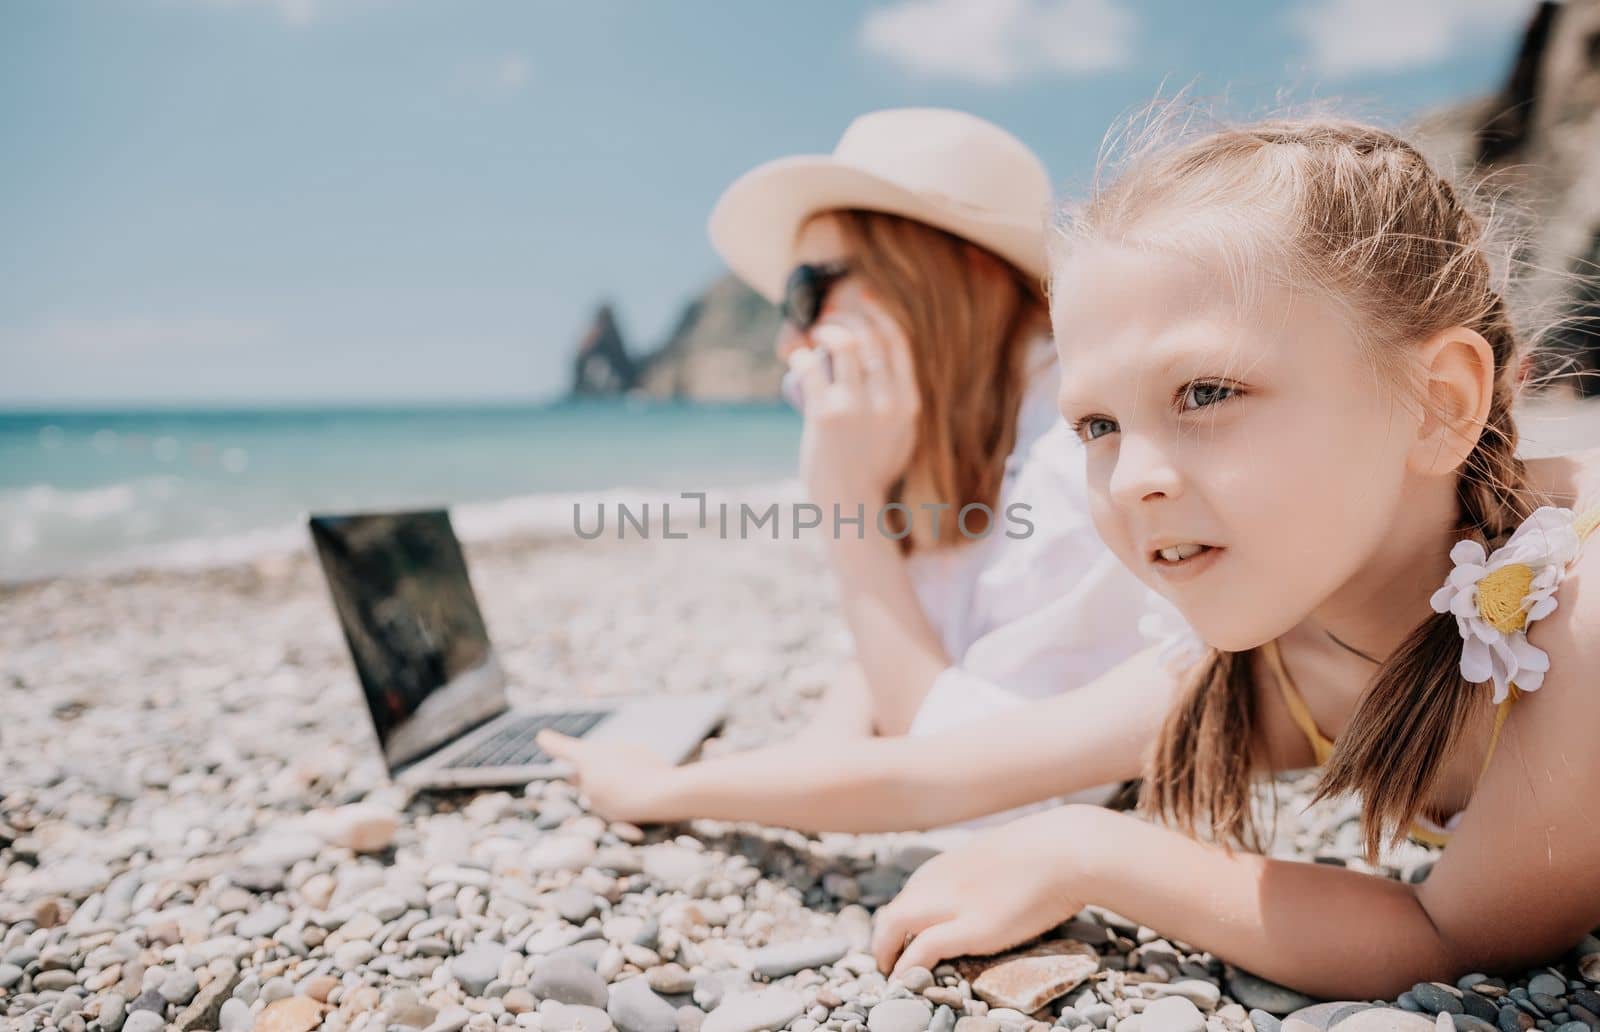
{"points": [[1547, 984], [575, 904], [236, 1017], [1471, 1023], [634, 1007], [477, 966], [276, 989], [1172, 1014], [907, 1015], [10, 975], [787, 958], [1260, 994], [1478, 1006], [263, 922], [944, 1020], [113, 1010], [1321, 1016], [1436, 998], [149, 1000], [351, 956], [48, 981], [451, 1019], [1512, 1019], [565, 979], [1263, 1022], [753, 1012]]}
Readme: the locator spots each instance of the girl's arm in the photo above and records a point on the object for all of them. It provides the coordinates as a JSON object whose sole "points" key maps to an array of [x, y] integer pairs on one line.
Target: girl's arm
{"points": [[1324, 930], [1092, 736], [897, 648], [1519, 883]]}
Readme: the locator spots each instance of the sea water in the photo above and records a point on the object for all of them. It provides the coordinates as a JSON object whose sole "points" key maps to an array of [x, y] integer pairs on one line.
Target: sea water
{"points": [[106, 489]]}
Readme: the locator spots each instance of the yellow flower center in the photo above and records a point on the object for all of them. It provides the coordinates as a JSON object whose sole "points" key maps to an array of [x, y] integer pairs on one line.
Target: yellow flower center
{"points": [[1500, 596]]}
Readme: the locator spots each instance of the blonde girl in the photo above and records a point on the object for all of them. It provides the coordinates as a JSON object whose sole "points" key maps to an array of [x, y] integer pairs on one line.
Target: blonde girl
{"points": [[1293, 369]]}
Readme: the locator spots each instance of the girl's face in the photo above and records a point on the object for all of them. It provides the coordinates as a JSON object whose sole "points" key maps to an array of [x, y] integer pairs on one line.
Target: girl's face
{"points": [[1245, 464]]}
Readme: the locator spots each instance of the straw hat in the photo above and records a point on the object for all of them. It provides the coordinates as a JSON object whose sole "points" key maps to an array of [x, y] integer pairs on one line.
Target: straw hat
{"points": [[945, 168]]}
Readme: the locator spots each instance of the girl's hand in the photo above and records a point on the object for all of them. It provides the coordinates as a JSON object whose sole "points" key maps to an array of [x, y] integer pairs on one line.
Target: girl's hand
{"points": [[1002, 888], [623, 782], [860, 428]]}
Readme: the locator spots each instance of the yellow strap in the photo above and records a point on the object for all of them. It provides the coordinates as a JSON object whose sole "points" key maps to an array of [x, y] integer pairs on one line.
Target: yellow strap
{"points": [[1500, 713], [1321, 744]]}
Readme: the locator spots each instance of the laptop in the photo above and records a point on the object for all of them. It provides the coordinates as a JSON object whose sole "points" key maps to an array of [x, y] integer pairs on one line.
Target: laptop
{"points": [[433, 685]]}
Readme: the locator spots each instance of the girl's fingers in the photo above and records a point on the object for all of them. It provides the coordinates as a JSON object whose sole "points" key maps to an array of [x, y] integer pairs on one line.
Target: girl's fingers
{"points": [[900, 920], [939, 942], [812, 367], [878, 378], [847, 371], [896, 347], [559, 745]]}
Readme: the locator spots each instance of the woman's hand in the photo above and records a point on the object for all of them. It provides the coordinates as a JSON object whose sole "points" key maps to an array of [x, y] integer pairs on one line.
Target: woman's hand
{"points": [[1002, 888], [861, 427], [622, 781]]}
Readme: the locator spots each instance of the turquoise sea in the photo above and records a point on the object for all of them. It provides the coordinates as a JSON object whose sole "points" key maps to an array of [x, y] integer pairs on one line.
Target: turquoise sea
{"points": [[96, 489]]}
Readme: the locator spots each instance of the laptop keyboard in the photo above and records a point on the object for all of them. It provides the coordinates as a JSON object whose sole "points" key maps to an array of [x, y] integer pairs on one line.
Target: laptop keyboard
{"points": [[513, 745]]}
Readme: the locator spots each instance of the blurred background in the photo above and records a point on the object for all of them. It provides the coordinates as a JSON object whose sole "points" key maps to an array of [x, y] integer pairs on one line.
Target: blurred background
{"points": [[262, 257]]}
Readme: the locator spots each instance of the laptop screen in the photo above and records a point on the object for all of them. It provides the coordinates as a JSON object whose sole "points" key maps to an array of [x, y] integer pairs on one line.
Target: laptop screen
{"points": [[399, 582]]}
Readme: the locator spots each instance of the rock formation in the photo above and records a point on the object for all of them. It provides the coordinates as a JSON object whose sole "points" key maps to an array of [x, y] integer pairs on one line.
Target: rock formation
{"points": [[1539, 138], [602, 366], [720, 350]]}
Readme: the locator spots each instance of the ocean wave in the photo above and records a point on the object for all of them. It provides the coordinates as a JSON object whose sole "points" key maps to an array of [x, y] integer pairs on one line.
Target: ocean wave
{"points": [[27, 555], [85, 504]]}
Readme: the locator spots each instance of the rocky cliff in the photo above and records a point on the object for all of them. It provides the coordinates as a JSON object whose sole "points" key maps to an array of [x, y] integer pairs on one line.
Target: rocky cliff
{"points": [[1539, 138], [602, 366], [719, 350]]}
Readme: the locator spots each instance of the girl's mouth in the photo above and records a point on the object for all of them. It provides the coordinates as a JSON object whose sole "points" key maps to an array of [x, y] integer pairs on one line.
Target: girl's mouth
{"points": [[1183, 561]]}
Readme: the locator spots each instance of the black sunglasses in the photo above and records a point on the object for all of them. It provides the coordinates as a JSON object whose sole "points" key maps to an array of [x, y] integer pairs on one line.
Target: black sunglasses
{"points": [[806, 291]]}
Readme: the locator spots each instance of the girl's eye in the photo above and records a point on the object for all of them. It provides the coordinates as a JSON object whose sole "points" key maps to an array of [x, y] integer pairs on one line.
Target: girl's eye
{"points": [[1200, 395], [1090, 427]]}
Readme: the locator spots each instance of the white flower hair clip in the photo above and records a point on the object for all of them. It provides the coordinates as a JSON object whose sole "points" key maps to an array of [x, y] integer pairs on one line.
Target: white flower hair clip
{"points": [[1494, 597]]}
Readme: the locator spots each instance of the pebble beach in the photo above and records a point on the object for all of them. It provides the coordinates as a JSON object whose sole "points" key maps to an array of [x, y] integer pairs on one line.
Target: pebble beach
{"points": [[196, 832]]}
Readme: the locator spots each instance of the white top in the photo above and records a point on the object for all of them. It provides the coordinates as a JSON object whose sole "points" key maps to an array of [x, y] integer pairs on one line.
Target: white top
{"points": [[1028, 617]]}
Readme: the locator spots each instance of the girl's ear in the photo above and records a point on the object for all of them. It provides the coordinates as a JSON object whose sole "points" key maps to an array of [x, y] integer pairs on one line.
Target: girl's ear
{"points": [[1457, 372]]}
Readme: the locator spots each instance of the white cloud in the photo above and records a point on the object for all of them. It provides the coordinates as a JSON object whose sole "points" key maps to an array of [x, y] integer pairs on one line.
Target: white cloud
{"points": [[996, 42], [1344, 37]]}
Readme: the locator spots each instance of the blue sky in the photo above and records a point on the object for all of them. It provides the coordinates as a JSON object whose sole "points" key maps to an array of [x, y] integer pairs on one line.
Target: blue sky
{"points": [[232, 201]]}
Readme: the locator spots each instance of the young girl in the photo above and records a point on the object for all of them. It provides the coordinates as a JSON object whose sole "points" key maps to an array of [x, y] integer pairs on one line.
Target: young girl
{"points": [[914, 257], [1293, 373]]}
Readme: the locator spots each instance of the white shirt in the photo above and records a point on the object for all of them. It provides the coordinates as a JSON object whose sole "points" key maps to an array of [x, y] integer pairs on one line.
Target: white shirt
{"points": [[1028, 617]]}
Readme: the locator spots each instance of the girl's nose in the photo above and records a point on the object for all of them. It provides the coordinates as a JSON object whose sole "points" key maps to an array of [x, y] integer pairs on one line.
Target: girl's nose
{"points": [[1145, 472]]}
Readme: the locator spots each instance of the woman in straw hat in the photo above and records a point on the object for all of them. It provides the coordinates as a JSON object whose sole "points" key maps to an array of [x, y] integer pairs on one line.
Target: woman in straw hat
{"points": [[908, 266]]}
